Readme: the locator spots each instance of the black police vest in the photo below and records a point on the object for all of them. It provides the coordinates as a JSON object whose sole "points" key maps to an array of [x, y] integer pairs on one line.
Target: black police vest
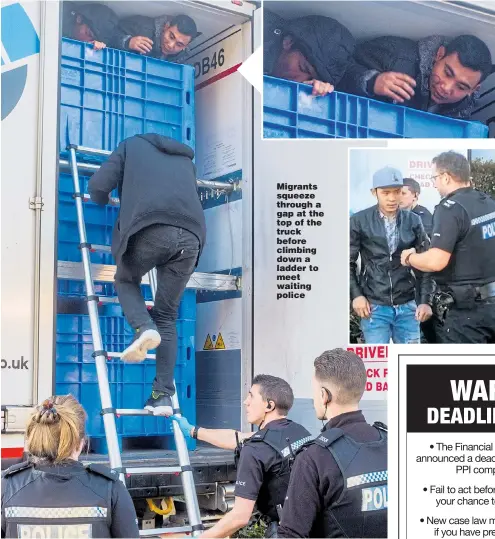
{"points": [[473, 259], [361, 510], [47, 507], [285, 441]]}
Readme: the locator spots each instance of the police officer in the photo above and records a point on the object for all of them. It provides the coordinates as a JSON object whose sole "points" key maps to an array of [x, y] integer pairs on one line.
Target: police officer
{"points": [[462, 254], [52, 494], [338, 485], [410, 201], [264, 457]]}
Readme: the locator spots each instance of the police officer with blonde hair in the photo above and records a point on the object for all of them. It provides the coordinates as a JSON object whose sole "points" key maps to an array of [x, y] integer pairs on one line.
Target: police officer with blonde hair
{"points": [[52, 494]]}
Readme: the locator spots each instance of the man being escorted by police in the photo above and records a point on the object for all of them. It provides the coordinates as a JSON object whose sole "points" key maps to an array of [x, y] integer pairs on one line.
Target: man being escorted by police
{"points": [[462, 255], [338, 484], [263, 458]]}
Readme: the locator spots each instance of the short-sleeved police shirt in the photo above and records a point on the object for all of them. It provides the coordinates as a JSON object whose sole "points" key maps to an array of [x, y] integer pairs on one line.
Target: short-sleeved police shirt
{"points": [[451, 223], [255, 461]]}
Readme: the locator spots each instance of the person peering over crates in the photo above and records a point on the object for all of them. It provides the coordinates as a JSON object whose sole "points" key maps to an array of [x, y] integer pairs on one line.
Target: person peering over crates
{"points": [[52, 494], [435, 74], [163, 37], [160, 225], [90, 22], [313, 50]]}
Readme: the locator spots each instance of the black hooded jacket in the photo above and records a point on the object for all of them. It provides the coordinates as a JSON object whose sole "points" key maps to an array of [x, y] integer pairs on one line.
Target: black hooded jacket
{"points": [[383, 280], [100, 18], [327, 45], [402, 55], [156, 182]]}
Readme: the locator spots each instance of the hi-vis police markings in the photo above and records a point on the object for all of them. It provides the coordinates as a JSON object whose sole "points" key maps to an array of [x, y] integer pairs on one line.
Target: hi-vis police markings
{"points": [[59, 531], [488, 230], [374, 498]]}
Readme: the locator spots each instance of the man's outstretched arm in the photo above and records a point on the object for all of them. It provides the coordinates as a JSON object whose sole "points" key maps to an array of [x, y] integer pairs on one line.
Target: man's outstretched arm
{"points": [[222, 438]]}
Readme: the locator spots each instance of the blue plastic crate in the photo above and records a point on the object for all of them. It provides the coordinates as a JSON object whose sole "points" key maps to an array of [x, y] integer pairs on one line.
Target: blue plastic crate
{"points": [[130, 384], [107, 96], [289, 111]]}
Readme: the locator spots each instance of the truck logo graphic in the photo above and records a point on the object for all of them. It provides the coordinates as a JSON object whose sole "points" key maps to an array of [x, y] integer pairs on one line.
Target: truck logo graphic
{"points": [[19, 41]]}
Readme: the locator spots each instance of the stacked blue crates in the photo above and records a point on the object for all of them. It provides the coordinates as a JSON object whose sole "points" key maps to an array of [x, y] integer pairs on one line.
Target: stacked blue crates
{"points": [[106, 97], [289, 111]]}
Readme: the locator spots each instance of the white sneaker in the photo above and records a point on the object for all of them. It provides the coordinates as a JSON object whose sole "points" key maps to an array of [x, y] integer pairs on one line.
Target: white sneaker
{"points": [[144, 339]]}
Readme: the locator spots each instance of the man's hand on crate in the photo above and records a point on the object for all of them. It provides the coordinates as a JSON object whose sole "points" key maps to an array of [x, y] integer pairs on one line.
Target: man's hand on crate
{"points": [[397, 86], [320, 88], [140, 44], [98, 45], [184, 425]]}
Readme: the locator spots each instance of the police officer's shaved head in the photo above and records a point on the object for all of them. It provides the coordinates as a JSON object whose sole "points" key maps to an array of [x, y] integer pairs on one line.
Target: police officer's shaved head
{"points": [[343, 373], [454, 164], [273, 388]]}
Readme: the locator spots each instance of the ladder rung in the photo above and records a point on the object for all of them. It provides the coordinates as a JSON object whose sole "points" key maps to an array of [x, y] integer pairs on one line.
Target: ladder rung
{"points": [[132, 411], [119, 355], [115, 299], [105, 274], [207, 184], [114, 201], [101, 248], [153, 470], [158, 531], [91, 151]]}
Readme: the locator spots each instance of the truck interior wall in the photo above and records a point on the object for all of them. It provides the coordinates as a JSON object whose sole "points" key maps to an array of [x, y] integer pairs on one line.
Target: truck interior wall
{"points": [[219, 143]]}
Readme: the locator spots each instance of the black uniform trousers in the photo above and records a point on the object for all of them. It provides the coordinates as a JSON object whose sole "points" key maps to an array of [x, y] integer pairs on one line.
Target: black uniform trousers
{"points": [[468, 326]]}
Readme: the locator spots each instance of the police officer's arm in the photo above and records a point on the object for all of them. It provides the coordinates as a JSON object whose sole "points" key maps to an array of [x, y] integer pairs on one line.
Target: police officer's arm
{"points": [[247, 487], [222, 438], [450, 224], [426, 283], [124, 520], [298, 518], [107, 177]]}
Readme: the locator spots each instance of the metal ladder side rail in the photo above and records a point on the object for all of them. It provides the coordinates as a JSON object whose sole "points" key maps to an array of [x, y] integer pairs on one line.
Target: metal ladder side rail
{"points": [[99, 353], [108, 412], [187, 477]]}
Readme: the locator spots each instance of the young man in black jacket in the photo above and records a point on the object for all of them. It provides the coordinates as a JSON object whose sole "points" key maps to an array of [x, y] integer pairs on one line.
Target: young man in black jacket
{"points": [[384, 294], [436, 74], [313, 50], [160, 224], [162, 37]]}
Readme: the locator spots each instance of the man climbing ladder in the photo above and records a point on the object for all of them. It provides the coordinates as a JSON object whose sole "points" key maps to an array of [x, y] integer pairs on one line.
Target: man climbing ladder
{"points": [[160, 224]]}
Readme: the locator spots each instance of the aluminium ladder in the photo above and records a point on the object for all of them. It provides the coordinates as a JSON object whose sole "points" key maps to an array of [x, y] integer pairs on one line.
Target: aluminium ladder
{"points": [[100, 355]]}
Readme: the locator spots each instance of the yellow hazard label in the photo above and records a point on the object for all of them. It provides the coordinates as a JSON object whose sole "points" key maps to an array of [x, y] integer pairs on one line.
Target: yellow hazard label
{"points": [[220, 345], [208, 343]]}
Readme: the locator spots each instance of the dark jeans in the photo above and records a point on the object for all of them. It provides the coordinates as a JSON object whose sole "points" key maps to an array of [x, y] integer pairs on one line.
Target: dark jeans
{"points": [[473, 326], [174, 253]]}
